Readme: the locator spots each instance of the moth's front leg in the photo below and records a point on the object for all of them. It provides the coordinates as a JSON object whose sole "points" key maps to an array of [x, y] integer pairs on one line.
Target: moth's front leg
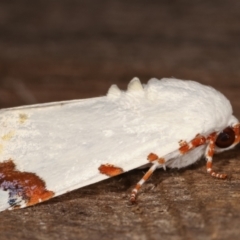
{"points": [[198, 141], [225, 139], [209, 155]]}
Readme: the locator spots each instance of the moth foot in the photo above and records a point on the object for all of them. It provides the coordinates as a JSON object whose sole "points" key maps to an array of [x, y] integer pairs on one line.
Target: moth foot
{"points": [[217, 175], [133, 196]]}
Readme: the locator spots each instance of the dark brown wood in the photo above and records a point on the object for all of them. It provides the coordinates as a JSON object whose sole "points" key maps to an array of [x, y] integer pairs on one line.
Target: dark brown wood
{"points": [[59, 50]]}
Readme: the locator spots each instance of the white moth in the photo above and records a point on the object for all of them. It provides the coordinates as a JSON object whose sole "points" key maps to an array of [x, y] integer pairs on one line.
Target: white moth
{"points": [[50, 149]]}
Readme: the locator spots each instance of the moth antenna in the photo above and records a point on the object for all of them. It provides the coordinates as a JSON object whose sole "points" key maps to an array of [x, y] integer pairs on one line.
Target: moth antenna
{"points": [[114, 91], [135, 85]]}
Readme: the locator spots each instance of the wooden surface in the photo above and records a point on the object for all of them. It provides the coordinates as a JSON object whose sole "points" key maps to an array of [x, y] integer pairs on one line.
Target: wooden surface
{"points": [[59, 50]]}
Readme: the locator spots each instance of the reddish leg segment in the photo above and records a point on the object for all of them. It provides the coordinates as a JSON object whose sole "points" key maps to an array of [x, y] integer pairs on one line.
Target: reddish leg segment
{"points": [[142, 181], [209, 155], [157, 162], [236, 129], [186, 147]]}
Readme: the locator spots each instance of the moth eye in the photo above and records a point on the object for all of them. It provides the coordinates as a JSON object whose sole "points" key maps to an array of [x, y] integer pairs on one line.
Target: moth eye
{"points": [[225, 138]]}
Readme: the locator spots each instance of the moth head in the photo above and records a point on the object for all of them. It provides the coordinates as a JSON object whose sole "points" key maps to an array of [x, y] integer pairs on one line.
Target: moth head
{"points": [[228, 137]]}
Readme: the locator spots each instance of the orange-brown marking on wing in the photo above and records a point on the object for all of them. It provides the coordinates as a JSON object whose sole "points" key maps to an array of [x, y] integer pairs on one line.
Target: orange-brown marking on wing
{"points": [[28, 186], [152, 157], [236, 129], [184, 147], [110, 170]]}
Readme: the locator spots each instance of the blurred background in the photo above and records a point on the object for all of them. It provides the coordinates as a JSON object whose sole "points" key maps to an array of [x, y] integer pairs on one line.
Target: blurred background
{"points": [[58, 50], [52, 50]]}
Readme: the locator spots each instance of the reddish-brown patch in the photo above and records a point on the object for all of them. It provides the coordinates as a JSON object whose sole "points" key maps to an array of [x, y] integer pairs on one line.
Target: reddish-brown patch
{"points": [[110, 170], [25, 185], [152, 157], [198, 141], [236, 129], [161, 160], [184, 147]]}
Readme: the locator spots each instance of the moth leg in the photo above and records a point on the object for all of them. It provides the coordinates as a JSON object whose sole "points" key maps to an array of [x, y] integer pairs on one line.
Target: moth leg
{"points": [[157, 162], [196, 142], [152, 157], [142, 181], [209, 155], [236, 129]]}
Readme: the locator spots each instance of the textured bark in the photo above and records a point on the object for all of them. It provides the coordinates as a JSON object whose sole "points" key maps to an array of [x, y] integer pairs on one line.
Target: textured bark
{"points": [[59, 50]]}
